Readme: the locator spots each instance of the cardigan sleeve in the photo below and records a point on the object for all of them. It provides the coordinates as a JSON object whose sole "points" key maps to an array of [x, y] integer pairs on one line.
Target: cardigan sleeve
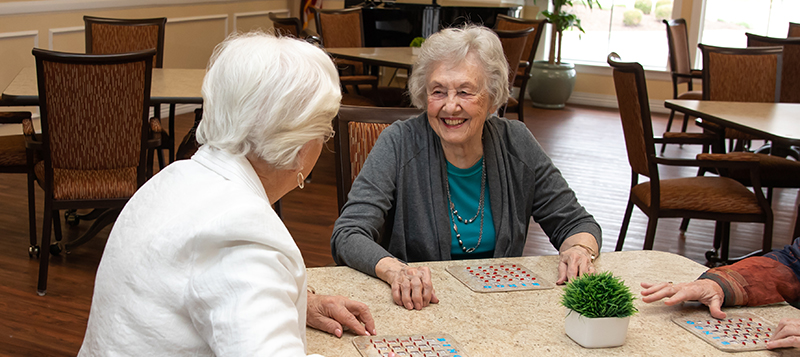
{"points": [[755, 281], [357, 233]]}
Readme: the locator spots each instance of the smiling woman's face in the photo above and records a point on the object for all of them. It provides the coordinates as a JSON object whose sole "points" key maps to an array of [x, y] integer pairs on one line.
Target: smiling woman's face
{"points": [[458, 103]]}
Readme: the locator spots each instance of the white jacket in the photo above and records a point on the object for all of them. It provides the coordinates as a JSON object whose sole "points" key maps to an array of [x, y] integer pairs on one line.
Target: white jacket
{"points": [[198, 264]]}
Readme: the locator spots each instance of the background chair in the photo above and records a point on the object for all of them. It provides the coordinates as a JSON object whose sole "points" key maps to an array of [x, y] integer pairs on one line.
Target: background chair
{"points": [[16, 158], [504, 22], [111, 36], [680, 65], [513, 47], [95, 136], [344, 28], [740, 75], [720, 199], [794, 30], [357, 129], [291, 26]]}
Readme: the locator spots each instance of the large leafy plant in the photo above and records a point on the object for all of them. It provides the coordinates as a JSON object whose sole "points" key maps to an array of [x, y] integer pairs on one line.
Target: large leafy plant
{"points": [[599, 295], [563, 20]]}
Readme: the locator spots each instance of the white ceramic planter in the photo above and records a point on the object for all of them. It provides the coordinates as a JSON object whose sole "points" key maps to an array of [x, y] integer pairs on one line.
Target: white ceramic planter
{"points": [[598, 332]]}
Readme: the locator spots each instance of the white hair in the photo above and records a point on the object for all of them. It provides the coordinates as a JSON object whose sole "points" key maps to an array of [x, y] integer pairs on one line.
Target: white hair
{"points": [[268, 96], [452, 45]]}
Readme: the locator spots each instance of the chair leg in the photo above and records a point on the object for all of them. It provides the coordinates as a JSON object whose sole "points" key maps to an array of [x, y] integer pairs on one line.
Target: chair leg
{"points": [[44, 259], [277, 207], [520, 115], [669, 126], [684, 225], [685, 123], [650, 236], [624, 229], [104, 219], [33, 249]]}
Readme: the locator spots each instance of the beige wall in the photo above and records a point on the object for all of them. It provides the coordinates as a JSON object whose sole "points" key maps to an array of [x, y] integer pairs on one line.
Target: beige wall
{"points": [[191, 34]]}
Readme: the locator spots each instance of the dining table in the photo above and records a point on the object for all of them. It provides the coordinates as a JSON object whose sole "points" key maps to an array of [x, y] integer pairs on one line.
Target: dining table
{"points": [[777, 122], [396, 57], [531, 322]]}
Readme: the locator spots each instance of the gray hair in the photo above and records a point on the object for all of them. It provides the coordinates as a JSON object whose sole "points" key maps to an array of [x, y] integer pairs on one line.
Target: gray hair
{"points": [[268, 96], [452, 45]]}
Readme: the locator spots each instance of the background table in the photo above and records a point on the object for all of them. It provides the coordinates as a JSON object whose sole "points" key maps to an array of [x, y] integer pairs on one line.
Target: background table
{"points": [[397, 57], [779, 122], [528, 323]]}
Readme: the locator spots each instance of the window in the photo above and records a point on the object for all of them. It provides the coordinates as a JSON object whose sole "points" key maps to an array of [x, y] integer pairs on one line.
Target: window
{"points": [[618, 26], [726, 21]]}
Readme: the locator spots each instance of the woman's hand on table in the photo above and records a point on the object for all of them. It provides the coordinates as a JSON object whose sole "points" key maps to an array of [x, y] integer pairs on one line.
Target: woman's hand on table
{"points": [[786, 335], [334, 313], [411, 286], [576, 257], [706, 291]]}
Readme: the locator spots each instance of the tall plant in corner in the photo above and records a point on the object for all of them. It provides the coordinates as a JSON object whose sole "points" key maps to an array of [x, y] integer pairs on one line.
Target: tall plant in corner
{"points": [[561, 21]]}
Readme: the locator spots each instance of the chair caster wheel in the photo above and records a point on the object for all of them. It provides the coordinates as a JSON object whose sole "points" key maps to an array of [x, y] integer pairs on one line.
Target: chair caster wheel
{"points": [[55, 249], [33, 251], [71, 217]]}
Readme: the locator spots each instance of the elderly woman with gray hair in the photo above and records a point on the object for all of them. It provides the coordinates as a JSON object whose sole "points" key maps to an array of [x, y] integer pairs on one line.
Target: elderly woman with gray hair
{"points": [[198, 263], [457, 182]]}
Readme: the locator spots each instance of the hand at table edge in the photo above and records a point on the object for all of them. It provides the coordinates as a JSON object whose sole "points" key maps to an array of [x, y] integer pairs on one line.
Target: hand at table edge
{"points": [[331, 314], [705, 291], [787, 334], [576, 257], [411, 286]]}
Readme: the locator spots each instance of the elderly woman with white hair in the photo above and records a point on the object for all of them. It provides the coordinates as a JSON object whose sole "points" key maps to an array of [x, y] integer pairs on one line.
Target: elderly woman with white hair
{"points": [[198, 263], [457, 182]]}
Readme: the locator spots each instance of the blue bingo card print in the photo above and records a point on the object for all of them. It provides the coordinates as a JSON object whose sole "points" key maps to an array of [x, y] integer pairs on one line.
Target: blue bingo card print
{"points": [[428, 345], [737, 332], [498, 277]]}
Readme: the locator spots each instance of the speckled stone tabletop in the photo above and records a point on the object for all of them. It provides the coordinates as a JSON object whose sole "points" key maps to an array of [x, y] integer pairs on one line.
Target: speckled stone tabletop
{"points": [[529, 323]]}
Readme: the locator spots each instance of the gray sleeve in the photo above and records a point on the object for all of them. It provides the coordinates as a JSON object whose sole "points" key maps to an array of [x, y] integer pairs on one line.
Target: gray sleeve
{"points": [[555, 206], [357, 232]]}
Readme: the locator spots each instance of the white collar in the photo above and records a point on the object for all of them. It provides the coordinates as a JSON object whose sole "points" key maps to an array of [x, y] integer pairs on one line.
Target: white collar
{"points": [[231, 167]]}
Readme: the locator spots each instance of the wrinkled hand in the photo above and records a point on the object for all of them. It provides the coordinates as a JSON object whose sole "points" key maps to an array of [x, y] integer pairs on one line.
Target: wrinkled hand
{"points": [[329, 313], [573, 263], [786, 335], [705, 291], [412, 287]]}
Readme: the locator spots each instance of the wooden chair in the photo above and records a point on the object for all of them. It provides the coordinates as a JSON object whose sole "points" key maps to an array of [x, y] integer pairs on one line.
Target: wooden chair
{"points": [[720, 199], [680, 65], [112, 36], [513, 47], [286, 25], [357, 129], [794, 30], [504, 22], [16, 158], [95, 136], [344, 28], [740, 75]]}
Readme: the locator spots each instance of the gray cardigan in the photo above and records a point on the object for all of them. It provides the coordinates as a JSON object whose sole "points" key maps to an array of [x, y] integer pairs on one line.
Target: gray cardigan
{"points": [[397, 204]]}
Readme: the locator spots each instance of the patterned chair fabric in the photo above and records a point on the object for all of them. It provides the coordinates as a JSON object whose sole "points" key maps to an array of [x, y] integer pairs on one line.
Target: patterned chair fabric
{"points": [[790, 72], [741, 75], [109, 36], [721, 199], [95, 135], [362, 137], [523, 74], [341, 28], [357, 130], [99, 137]]}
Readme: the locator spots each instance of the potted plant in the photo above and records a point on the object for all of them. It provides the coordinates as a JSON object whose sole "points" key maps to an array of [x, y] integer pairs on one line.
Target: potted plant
{"points": [[415, 44], [599, 307], [552, 81]]}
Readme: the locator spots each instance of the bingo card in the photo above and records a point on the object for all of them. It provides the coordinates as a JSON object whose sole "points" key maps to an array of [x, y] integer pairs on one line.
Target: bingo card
{"points": [[737, 332], [489, 278], [440, 345]]}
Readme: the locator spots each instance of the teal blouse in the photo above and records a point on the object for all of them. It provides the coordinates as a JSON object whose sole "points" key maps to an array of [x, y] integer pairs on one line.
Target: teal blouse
{"points": [[465, 190]]}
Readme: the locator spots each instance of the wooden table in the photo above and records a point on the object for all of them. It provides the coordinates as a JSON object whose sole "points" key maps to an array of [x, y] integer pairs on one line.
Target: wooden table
{"points": [[778, 122], [528, 323], [397, 57]]}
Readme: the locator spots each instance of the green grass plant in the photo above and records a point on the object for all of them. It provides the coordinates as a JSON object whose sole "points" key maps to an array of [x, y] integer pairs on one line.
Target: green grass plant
{"points": [[599, 295]]}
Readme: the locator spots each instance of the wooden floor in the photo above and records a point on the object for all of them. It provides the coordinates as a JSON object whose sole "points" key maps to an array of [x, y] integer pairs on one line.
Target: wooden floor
{"points": [[585, 143]]}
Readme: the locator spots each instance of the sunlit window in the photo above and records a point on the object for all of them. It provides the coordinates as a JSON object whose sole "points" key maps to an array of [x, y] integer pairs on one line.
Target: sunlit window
{"points": [[727, 21]]}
